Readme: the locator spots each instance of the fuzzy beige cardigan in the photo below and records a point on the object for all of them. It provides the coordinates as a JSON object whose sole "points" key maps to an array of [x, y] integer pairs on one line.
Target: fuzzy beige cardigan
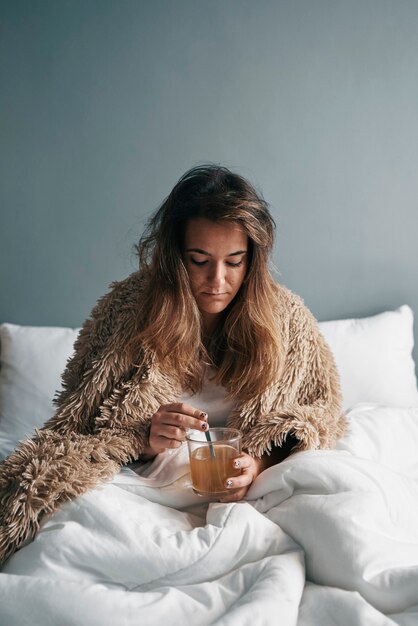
{"points": [[103, 413]]}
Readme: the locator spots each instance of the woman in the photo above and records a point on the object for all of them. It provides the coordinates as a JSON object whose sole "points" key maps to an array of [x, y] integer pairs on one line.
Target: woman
{"points": [[202, 313]]}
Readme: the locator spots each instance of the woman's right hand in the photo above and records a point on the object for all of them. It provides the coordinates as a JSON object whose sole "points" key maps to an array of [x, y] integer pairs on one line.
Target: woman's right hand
{"points": [[169, 424]]}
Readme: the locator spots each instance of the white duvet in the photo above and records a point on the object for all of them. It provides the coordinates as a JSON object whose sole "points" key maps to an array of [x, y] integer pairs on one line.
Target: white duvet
{"points": [[325, 538]]}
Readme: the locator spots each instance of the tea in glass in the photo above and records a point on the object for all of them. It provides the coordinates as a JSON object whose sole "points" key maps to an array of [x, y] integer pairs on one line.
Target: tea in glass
{"points": [[211, 462]]}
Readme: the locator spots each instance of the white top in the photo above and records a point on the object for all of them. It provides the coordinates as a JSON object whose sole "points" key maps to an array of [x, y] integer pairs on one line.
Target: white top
{"points": [[173, 464], [211, 399]]}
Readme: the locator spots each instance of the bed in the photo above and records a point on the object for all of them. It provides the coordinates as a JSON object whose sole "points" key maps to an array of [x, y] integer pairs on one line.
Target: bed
{"points": [[325, 538]]}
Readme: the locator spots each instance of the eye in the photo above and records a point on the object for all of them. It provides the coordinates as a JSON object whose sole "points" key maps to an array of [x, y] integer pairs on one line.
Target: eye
{"points": [[231, 264], [199, 263]]}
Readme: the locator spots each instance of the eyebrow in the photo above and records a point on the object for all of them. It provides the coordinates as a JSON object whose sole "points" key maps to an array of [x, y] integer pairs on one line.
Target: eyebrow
{"points": [[200, 251]]}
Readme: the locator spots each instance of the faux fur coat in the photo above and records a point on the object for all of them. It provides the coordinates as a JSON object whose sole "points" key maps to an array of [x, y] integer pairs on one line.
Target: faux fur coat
{"points": [[103, 412]]}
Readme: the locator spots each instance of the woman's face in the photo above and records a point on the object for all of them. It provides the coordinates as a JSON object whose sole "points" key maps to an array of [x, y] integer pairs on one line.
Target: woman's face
{"points": [[216, 258]]}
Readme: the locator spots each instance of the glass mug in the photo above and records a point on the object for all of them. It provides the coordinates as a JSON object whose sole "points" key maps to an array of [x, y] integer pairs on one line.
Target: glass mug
{"points": [[211, 461]]}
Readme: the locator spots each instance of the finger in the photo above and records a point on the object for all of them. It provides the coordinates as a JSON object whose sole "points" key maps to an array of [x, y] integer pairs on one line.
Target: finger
{"points": [[242, 461], [181, 420], [238, 482], [184, 409], [164, 443], [170, 432]]}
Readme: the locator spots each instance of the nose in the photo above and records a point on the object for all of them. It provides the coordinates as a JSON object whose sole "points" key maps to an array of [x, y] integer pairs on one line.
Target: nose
{"points": [[218, 275]]}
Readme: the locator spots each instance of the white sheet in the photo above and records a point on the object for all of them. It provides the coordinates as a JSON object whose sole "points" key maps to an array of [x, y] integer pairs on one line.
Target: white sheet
{"points": [[327, 537]]}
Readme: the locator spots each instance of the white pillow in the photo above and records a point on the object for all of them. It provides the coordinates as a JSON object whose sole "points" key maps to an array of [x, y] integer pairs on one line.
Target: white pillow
{"points": [[374, 358], [32, 360], [379, 433], [373, 355]]}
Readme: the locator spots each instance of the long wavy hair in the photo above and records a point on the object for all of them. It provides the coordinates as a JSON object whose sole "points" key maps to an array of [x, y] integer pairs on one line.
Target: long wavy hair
{"points": [[246, 348]]}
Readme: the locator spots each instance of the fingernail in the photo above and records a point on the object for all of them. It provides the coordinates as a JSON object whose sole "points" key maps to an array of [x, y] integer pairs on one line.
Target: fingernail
{"points": [[237, 463], [204, 426], [229, 484], [204, 416]]}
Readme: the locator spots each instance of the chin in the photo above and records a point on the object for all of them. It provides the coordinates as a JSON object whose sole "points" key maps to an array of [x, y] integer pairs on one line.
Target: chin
{"points": [[214, 309]]}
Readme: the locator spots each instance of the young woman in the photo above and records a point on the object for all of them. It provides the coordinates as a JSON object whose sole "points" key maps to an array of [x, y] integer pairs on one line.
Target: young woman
{"points": [[200, 334]]}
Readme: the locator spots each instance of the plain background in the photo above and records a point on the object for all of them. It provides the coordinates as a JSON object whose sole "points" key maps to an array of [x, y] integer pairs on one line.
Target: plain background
{"points": [[105, 103]]}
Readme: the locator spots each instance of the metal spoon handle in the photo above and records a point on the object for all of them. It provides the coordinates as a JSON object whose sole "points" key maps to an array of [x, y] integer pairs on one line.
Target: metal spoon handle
{"points": [[209, 440]]}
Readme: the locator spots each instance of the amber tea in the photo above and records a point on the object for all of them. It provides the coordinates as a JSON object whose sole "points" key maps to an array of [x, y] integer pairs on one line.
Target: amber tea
{"points": [[211, 462]]}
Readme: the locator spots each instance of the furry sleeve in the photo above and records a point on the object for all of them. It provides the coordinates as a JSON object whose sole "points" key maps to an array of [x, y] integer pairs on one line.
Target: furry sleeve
{"points": [[98, 359], [70, 455], [307, 402]]}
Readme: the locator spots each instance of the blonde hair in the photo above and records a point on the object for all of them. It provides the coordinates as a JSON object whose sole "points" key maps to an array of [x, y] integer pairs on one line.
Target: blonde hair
{"points": [[246, 348]]}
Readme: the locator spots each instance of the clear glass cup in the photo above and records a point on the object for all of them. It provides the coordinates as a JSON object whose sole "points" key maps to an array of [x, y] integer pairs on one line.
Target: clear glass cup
{"points": [[211, 462]]}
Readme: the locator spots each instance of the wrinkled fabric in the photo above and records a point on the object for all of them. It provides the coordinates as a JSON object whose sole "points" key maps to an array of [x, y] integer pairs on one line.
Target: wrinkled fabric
{"points": [[327, 537]]}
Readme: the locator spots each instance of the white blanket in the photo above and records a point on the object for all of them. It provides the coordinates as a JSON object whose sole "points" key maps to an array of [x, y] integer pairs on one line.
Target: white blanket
{"points": [[325, 538]]}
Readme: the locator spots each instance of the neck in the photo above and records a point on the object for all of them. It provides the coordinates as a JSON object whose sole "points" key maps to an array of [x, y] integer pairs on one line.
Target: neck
{"points": [[209, 324]]}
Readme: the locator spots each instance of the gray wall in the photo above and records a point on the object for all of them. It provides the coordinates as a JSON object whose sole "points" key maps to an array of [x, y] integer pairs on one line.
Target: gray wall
{"points": [[105, 103]]}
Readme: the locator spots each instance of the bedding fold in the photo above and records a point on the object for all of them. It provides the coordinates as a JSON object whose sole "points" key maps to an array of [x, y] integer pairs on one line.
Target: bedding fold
{"points": [[325, 538]]}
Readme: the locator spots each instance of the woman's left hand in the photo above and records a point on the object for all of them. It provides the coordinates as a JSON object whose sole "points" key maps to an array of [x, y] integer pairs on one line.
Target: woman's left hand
{"points": [[251, 468]]}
